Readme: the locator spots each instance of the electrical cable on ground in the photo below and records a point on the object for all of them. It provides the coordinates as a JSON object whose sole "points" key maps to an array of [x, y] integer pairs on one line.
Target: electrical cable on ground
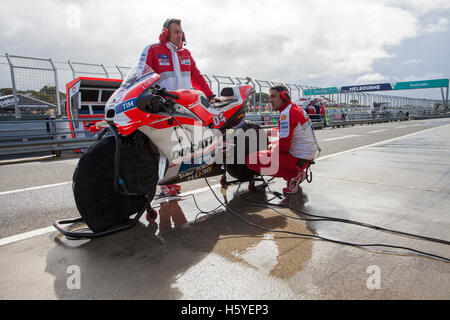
{"points": [[320, 237], [334, 219], [353, 222]]}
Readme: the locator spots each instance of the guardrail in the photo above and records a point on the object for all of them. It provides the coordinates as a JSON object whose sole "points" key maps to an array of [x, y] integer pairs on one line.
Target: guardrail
{"points": [[50, 136], [271, 120], [345, 123], [431, 116], [53, 136], [18, 137]]}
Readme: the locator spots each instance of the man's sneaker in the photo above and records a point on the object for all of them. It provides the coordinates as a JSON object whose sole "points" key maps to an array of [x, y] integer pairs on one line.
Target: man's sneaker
{"points": [[292, 185], [175, 186], [170, 189]]}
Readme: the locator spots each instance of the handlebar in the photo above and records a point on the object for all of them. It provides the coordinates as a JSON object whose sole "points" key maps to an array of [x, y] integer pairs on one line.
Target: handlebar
{"points": [[163, 93], [157, 99], [173, 96]]}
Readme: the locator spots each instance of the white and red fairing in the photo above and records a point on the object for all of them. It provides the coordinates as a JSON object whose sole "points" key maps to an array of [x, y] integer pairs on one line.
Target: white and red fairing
{"points": [[192, 111]]}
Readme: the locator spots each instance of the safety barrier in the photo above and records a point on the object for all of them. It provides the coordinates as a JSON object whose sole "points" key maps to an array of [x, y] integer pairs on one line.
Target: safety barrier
{"points": [[271, 120], [53, 136], [429, 116], [345, 123]]}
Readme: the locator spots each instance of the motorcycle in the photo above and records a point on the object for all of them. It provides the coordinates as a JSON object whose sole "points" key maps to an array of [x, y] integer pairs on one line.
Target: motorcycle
{"points": [[156, 137]]}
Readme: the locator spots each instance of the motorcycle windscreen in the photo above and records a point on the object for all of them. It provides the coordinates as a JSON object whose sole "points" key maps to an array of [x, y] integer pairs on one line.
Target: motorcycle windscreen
{"points": [[139, 78], [136, 74], [139, 73]]}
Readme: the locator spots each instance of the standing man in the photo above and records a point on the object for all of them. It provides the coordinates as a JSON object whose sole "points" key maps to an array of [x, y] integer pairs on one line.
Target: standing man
{"points": [[310, 109], [297, 145], [176, 67], [174, 63], [322, 113]]}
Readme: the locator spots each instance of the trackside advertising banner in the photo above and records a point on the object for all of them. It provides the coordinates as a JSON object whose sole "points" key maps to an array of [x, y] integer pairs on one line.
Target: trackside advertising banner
{"points": [[312, 92], [406, 85], [367, 87], [423, 84]]}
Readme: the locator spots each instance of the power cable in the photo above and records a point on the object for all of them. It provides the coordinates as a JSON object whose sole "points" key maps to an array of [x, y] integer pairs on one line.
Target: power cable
{"points": [[320, 237], [333, 219]]}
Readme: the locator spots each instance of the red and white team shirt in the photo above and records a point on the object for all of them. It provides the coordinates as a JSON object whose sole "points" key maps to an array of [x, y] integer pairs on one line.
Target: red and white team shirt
{"points": [[176, 67], [296, 133]]}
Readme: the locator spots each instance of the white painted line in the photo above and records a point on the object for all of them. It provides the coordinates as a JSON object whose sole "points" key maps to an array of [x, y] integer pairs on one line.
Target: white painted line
{"points": [[343, 137], [38, 232], [337, 138], [36, 188], [26, 235], [15, 161], [381, 130], [377, 143], [34, 233], [200, 190]]}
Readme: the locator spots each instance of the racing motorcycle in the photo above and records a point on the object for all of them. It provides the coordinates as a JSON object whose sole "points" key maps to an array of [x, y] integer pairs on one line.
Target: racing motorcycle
{"points": [[155, 136]]}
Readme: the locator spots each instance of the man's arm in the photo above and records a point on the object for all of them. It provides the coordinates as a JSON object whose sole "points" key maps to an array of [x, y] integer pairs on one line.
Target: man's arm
{"points": [[145, 59], [287, 127], [272, 132], [199, 82]]}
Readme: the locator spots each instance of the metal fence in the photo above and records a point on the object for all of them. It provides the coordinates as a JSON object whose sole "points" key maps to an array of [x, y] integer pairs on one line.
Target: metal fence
{"points": [[54, 136], [51, 136], [33, 76], [43, 81]]}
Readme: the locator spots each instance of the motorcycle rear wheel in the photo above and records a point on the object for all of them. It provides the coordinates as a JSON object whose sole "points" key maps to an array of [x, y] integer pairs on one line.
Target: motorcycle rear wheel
{"points": [[241, 171]]}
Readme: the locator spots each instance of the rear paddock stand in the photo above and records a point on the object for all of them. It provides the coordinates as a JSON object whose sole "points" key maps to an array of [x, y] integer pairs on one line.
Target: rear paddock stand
{"points": [[73, 229], [251, 183]]}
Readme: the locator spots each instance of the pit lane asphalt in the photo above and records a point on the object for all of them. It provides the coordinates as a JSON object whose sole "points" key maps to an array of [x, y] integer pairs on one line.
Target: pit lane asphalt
{"points": [[400, 184], [30, 209]]}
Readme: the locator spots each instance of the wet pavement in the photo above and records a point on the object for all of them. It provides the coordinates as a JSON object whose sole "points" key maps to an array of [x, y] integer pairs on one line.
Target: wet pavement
{"points": [[35, 193], [402, 184]]}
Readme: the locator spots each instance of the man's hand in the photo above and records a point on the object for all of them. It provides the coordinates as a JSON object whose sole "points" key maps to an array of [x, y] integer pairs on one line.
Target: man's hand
{"points": [[215, 100], [272, 132], [274, 147], [101, 124]]}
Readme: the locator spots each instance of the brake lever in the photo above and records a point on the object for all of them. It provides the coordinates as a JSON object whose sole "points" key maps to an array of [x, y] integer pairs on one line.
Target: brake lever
{"points": [[172, 96], [169, 103], [163, 93]]}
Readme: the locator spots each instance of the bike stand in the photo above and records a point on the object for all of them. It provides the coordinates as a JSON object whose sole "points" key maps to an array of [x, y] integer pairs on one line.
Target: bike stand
{"points": [[251, 183], [69, 227], [262, 186]]}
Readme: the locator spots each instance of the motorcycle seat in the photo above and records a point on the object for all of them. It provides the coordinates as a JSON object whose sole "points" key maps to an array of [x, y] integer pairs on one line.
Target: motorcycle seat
{"points": [[219, 105]]}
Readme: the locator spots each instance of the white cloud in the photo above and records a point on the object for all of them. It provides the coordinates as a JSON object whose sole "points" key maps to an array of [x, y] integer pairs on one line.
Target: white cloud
{"points": [[432, 13], [434, 24], [423, 6], [371, 78], [302, 41], [378, 78], [411, 61], [305, 40], [427, 76]]}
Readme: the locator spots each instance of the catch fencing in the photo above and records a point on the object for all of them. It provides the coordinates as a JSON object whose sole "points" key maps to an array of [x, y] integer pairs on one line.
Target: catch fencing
{"points": [[53, 136], [36, 87]]}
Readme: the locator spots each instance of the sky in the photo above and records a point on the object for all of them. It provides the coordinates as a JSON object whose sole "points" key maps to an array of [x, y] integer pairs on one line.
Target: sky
{"points": [[314, 42]]}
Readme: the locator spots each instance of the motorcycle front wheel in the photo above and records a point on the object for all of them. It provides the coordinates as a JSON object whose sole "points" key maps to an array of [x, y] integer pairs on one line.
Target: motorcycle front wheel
{"points": [[97, 199]]}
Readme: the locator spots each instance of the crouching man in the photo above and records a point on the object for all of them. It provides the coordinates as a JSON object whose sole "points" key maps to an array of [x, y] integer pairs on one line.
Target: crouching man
{"points": [[296, 148]]}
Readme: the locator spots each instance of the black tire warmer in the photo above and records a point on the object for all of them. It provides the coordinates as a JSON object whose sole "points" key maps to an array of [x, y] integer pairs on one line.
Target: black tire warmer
{"points": [[241, 171], [97, 201]]}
